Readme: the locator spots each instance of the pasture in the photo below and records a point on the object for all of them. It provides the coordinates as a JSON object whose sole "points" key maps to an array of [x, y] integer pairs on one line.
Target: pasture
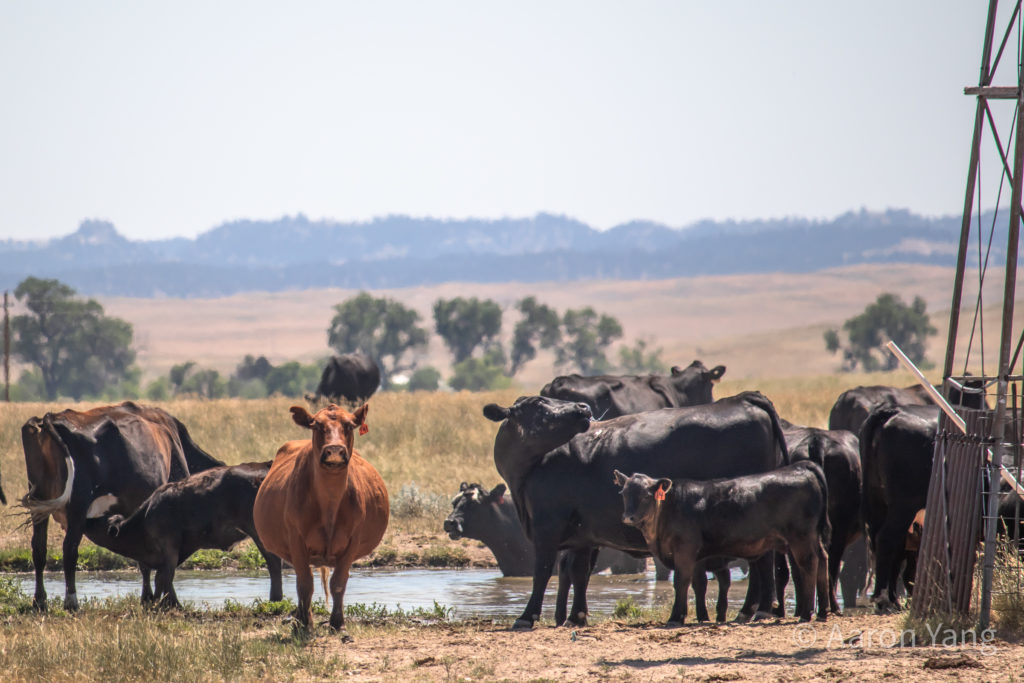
{"points": [[424, 445]]}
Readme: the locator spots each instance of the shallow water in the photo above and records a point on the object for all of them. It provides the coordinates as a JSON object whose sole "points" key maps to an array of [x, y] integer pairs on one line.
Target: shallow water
{"points": [[470, 592]]}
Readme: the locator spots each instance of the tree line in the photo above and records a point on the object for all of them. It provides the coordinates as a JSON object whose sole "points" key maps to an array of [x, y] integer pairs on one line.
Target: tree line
{"points": [[73, 349]]}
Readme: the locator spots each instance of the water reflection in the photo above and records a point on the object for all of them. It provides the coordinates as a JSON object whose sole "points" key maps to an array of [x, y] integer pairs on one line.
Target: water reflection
{"points": [[471, 592]]}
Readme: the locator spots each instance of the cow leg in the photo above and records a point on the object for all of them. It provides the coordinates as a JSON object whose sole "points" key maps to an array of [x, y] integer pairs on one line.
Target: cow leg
{"points": [[661, 572], [853, 576], [826, 591], [699, 582], [753, 589], [840, 537], [722, 604], [781, 581], [889, 544], [303, 581], [339, 580], [580, 566], [765, 566], [682, 575], [562, 595], [543, 565], [39, 531], [805, 576], [147, 590], [72, 539], [274, 568], [165, 586]]}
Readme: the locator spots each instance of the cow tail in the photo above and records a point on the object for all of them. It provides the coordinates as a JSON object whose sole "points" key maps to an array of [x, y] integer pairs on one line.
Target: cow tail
{"points": [[824, 526], [764, 403], [875, 419], [196, 458]]}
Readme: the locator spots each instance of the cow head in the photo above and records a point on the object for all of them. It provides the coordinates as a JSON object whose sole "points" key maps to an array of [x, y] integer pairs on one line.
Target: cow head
{"points": [[542, 424], [640, 496], [333, 432], [472, 509], [693, 383]]}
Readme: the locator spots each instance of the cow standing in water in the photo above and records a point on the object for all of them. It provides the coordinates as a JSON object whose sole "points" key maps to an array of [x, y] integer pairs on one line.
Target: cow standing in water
{"points": [[107, 460], [322, 505]]}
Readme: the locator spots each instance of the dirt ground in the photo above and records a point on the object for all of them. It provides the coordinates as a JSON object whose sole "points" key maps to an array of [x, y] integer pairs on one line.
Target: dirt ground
{"points": [[844, 648]]}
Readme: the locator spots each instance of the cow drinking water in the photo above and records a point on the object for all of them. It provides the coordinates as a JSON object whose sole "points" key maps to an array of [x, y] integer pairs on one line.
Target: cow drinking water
{"points": [[684, 521]]}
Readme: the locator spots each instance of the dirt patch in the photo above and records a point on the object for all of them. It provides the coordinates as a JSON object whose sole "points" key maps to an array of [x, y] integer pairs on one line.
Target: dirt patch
{"points": [[781, 650]]}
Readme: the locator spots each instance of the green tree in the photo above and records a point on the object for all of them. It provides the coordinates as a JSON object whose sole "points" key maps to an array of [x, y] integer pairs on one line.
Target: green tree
{"points": [[466, 324], [382, 328], [77, 349], [888, 318], [425, 379], [640, 359], [586, 336], [480, 374], [539, 326]]}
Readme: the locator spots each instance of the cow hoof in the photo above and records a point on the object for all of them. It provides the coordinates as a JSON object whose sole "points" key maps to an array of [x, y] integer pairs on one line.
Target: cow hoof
{"points": [[346, 638], [674, 624], [71, 603], [39, 604], [822, 617], [742, 618], [762, 616], [522, 625]]}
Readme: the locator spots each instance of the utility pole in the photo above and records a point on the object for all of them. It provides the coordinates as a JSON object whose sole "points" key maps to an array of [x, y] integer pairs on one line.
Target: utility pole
{"points": [[7, 350]]}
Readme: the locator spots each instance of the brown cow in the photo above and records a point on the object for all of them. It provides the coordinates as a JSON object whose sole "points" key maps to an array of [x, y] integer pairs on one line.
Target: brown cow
{"points": [[322, 505]]}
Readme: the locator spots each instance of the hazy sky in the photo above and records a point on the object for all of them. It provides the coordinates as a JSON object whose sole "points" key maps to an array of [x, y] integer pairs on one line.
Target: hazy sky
{"points": [[170, 118]]}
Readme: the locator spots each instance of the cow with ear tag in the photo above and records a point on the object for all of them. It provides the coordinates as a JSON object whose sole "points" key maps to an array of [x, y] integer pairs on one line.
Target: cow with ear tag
{"points": [[684, 521], [322, 505]]}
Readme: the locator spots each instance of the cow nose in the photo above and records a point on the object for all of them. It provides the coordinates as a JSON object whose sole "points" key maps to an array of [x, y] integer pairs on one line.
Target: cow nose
{"points": [[585, 408], [453, 528], [334, 454]]}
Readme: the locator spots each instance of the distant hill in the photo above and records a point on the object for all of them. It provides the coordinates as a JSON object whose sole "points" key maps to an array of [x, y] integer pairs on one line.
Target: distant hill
{"points": [[398, 251]]}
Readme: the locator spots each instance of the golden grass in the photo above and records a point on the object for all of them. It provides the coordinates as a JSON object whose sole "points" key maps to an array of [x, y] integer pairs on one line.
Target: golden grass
{"points": [[423, 444]]}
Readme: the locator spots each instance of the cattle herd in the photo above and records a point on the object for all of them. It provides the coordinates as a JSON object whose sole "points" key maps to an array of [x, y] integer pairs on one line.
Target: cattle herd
{"points": [[599, 472]]}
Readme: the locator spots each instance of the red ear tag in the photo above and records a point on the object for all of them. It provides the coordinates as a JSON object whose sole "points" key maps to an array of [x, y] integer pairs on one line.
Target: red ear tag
{"points": [[363, 429], [659, 495]]}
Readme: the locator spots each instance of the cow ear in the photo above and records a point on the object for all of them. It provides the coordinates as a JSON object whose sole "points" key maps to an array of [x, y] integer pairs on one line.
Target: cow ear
{"points": [[616, 384], [676, 371], [463, 486], [495, 413], [302, 417], [663, 484], [716, 373], [620, 478], [360, 414], [497, 493]]}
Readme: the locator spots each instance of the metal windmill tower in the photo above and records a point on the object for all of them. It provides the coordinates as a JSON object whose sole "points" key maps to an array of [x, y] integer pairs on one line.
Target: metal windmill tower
{"points": [[985, 447]]}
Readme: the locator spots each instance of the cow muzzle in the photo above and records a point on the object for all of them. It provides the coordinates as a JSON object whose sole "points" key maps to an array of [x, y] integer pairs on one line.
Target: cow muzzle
{"points": [[334, 456], [453, 528]]}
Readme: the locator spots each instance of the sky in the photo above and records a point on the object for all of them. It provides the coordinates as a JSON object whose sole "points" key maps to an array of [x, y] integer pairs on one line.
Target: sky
{"points": [[168, 119]]}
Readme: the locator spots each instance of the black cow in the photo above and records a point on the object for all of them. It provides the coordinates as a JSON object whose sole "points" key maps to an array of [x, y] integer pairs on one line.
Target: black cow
{"points": [[83, 465], [837, 452], [853, 405], [686, 520], [490, 517], [350, 376], [211, 509], [559, 468], [613, 395], [896, 448]]}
